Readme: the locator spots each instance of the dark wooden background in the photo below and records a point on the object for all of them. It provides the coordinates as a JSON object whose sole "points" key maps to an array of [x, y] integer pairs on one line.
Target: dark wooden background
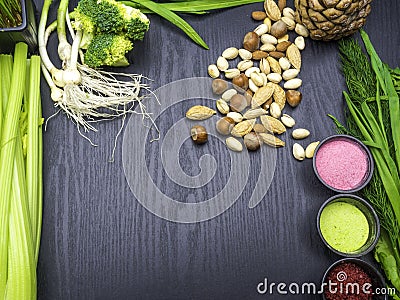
{"points": [[98, 242]]}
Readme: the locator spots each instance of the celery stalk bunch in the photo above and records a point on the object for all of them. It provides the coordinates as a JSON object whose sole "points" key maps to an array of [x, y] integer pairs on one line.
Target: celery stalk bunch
{"points": [[20, 174]]}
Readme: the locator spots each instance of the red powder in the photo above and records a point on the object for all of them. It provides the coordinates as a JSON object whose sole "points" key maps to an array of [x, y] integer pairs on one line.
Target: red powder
{"points": [[348, 281], [342, 164]]}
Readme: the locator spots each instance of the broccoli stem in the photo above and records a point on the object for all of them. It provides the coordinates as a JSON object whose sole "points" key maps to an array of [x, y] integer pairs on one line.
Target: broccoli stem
{"points": [[64, 48]]}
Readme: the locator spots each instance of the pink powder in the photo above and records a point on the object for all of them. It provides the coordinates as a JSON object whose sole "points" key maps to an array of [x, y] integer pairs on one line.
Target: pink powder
{"points": [[342, 164]]}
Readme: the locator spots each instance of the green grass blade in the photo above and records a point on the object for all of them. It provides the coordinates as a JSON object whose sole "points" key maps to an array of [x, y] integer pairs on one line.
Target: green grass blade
{"points": [[189, 6], [169, 6], [359, 118], [380, 140], [385, 80], [376, 130], [394, 109], [174, 19], [380, 114], [388, 182], [195, 7], [7, 153], [376, 62]]}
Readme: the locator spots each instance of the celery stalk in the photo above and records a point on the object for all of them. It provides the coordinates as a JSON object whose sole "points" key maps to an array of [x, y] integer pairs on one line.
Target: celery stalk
{"points": [[6, 62], [1, 106], [32, 157], [40, 190], [21, 281], [7, 154]]}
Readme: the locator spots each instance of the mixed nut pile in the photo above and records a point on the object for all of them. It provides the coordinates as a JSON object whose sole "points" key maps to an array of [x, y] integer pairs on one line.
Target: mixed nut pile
{"points": [[264, 80]]}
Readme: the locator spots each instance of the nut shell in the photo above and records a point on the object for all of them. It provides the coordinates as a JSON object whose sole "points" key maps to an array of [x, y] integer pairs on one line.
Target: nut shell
{"points": [[199, 134], [293, 97], [225, 125], [251, 41], [252, 141], [238, 103], [279, 29], [219, 86], [241, 81], [258, 15]]}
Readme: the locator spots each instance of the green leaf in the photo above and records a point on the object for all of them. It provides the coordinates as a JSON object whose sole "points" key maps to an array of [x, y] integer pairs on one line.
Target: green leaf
{"points": [[383, 74], [384, 254], [196, 6], [174, 19]]}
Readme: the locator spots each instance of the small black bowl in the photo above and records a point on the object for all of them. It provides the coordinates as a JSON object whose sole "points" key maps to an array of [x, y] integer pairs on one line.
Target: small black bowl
{"points": [[369, 213], [378, 280], [367, 176]]}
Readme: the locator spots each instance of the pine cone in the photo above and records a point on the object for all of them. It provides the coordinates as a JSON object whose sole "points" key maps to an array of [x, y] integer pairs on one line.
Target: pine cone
{"points": [[332, 19]]}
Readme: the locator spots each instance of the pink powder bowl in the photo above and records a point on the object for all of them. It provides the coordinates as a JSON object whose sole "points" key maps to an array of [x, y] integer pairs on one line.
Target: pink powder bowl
{"points": [[343, 163]]}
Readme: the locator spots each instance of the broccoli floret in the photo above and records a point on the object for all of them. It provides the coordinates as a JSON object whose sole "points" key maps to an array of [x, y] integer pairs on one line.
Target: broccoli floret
{"points": [[108, 49], [108, 26], [136, 23], [110, 16]]}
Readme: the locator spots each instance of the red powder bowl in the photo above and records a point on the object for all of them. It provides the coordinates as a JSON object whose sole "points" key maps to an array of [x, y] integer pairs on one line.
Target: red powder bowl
{"points": [[343, 163], [353, 279]]}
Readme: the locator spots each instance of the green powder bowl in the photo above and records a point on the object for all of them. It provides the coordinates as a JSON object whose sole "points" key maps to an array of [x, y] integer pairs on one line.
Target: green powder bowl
{"points": [[348, 225]]}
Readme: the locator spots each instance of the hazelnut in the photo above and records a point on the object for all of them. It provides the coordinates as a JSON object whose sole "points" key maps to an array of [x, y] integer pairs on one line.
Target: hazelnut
{"points": [[251, 141], [224, 125], [238, 103], [219, 86], [241, 81], [199, 134], [251, 41], [293, 97], [279, 29]]}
